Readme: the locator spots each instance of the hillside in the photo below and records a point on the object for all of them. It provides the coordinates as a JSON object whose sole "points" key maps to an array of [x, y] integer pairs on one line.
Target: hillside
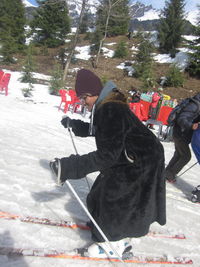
{"points": [[107, 67], [31, 136]]}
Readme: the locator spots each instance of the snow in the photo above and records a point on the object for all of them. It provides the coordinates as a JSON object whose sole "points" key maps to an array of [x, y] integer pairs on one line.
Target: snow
{"points": [[110, 44], [190, 37], [27, 3], [84, 52], [150, 15], [30, 136], [192, 16], [93, 4], [107, 52], [181, 58]]}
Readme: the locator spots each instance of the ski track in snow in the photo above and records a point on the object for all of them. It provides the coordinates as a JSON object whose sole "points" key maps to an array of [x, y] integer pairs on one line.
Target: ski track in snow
{"points": [[30, 136]]}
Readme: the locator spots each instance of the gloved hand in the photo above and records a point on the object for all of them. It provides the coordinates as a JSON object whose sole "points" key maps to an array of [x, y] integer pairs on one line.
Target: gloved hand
{"points": [[66, 122], [79, 128]]}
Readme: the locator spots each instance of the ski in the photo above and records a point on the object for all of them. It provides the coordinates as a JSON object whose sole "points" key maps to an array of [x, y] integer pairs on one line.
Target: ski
{"points": [[45, 221], [73, 225], [50, 253]]}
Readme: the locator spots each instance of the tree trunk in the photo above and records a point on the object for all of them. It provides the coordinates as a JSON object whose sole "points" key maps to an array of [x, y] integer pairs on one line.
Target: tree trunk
{"points": [[106, 29], [74, 41]]}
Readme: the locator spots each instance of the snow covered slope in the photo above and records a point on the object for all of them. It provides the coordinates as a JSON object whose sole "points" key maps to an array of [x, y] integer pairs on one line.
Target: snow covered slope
{"points": [[30, 136]]}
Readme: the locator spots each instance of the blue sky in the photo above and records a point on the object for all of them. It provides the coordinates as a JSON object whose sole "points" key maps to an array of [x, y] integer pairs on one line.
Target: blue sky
{"points": [[158, 4], [33, 2], [190, 4]]}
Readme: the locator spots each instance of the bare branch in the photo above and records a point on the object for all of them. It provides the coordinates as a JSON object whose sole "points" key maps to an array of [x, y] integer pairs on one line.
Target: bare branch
{"points": [[110, 6], [84, 2]]}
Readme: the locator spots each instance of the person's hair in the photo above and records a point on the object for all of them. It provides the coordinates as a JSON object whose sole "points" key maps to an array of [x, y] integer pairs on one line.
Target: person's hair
{"points": [[116, 96]]}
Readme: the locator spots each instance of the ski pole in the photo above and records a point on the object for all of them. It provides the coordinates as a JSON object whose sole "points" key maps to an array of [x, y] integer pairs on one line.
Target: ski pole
{"points": [[93, 220], [188, 169], [70, 133]]}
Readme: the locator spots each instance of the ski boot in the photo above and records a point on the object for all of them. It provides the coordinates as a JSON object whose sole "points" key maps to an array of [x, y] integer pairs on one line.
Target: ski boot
{"points": [[103, 250], [196, 195], [55, 166]]}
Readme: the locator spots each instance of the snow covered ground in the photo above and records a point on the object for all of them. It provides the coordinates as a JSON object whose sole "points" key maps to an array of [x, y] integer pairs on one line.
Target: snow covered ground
{"points": [[30, 136]]}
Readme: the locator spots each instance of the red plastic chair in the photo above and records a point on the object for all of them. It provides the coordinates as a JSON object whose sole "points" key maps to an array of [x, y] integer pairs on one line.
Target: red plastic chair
{"points": [[164, 114], [146, 107], [69, 98], [1, 74], [4, 82], [139, 110], [75, 101], [64, 99]]}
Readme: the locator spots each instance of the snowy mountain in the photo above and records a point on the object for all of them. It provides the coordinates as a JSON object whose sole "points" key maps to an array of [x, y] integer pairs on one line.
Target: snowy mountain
{"points": [[137, 10], [192, 16], [150, 15], [27, 3]]}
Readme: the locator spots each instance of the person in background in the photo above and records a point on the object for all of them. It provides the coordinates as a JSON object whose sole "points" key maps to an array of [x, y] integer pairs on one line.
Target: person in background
{"points": [[135, 105], [186, 122], [195, 142], [134, 95], [129, 192], [154, 107]]}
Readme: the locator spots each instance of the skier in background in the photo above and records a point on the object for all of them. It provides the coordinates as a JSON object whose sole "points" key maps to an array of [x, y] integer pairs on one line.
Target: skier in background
{"points": [[187, 121], [195, 143], [129, 193], [154, 107]]}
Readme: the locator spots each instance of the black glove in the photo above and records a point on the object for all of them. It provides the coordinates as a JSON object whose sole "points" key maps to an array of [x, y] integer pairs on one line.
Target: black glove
{"points": [[66, 122], [79, 128]]}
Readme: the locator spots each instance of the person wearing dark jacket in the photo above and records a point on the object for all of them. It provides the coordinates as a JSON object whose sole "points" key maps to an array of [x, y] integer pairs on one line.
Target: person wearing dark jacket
{"points": [[129, 193], [186, 122]]}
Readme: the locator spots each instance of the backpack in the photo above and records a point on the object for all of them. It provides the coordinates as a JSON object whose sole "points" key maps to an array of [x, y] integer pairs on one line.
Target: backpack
{"points": [[177, 110]]}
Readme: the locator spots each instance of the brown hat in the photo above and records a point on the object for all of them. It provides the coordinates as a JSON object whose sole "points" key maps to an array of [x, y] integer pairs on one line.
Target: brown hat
{"points": [[87, 83]]}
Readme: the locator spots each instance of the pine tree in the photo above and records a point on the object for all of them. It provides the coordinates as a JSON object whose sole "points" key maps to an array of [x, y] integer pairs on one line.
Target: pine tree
{"points": [[56, 82], [194, 58], [12, 23], [119, 17], [7, 49], [86, 22], [51, 22], [28, 68], [171, 26], [143, 65], [95, 41], [121, 50], [174, 77], [27, 92]]}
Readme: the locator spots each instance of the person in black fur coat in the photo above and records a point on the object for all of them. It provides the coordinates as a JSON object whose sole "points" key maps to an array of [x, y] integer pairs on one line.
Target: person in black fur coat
{"points": [[129, 193], [186, 122]]}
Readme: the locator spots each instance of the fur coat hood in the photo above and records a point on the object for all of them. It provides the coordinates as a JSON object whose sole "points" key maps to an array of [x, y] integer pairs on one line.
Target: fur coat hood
{"points": [[107, 89]]}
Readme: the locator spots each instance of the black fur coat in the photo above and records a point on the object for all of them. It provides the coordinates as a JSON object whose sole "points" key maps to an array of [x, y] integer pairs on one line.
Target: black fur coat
{"points": [[129, 193]]}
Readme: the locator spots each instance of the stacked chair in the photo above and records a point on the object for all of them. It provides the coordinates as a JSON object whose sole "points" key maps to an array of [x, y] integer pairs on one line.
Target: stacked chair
{"points": [[4, 81]]}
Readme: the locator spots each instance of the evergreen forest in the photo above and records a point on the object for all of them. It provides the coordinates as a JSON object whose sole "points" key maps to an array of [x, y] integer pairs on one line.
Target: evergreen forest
{"points": [[47, 44]]}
